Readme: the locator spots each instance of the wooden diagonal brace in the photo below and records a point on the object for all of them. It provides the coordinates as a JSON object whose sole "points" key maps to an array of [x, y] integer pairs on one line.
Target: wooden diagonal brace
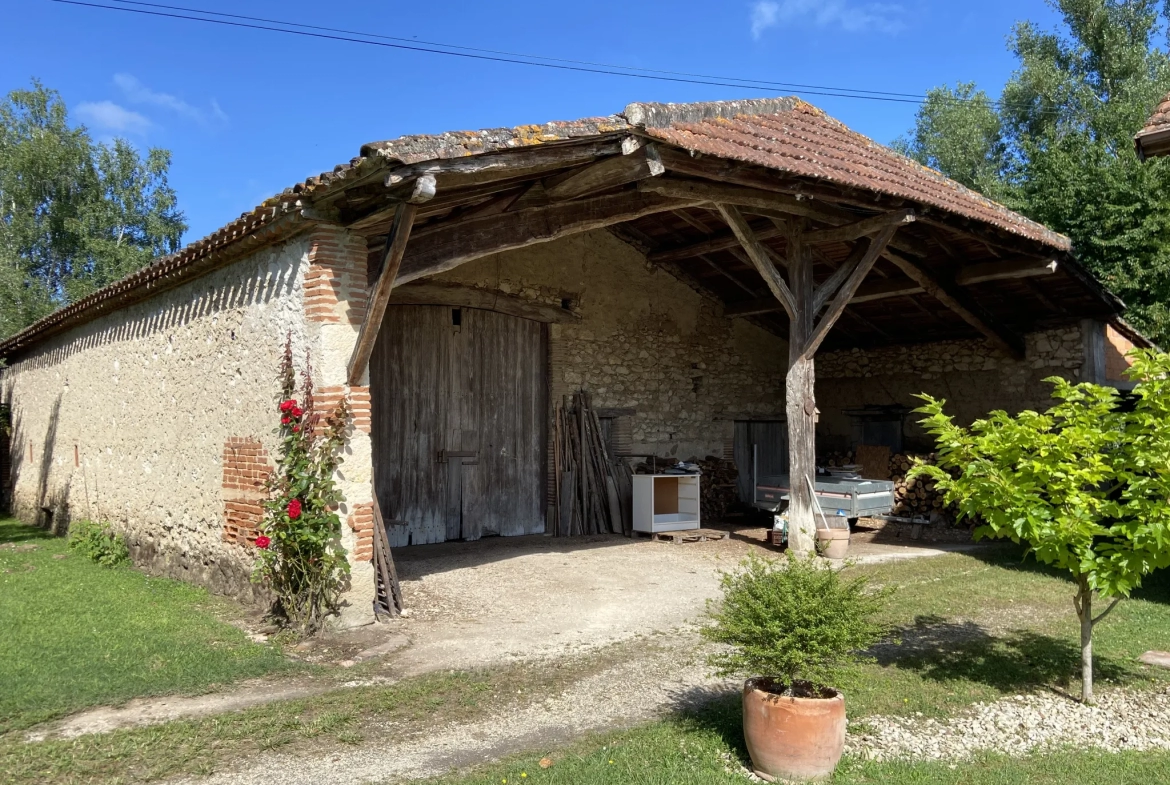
{"points": [[856, 275], [830, 285], [953, 298], [759, 255], [391, 261]]}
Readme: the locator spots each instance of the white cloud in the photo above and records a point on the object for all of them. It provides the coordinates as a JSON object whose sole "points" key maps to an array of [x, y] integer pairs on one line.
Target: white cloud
{"points": [[852, 18], [109, 116], [138, 93]]}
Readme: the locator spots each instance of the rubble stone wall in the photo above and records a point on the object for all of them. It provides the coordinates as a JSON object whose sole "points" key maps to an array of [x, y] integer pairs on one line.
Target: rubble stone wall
{"points": [[972, 376], [127, 418], [646, 341]]}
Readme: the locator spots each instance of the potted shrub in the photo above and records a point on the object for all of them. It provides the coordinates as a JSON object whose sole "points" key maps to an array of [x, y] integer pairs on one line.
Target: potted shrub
{"points": [[790, 626]]}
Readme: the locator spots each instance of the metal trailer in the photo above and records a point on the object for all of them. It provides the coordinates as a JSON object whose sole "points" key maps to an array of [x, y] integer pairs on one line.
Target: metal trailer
{"points": [[845, 498]]}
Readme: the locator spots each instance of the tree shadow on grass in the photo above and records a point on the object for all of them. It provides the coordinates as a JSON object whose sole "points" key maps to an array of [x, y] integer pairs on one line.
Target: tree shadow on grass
{"points": [[17, 533], [1019, 660]]}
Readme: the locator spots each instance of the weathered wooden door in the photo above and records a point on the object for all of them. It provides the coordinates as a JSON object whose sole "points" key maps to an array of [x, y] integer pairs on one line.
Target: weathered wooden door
{"points": [[459, 417], [760, 446]]}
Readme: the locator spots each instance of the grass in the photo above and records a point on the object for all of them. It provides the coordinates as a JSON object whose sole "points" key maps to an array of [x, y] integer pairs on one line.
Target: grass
{"points": [[970, 627], [707, 749], [77, 635]]}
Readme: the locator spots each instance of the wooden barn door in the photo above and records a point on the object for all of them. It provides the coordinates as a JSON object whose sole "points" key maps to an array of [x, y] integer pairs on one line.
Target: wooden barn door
{"points": [[459, 413]]}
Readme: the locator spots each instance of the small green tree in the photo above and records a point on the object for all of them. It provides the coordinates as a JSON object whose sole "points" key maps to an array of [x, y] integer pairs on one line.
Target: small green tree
{"points": [[797, 621], [1085, 485]]}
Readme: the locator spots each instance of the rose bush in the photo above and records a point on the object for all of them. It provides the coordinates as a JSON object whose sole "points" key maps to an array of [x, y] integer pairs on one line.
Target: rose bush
{"points": [[301, 557]]}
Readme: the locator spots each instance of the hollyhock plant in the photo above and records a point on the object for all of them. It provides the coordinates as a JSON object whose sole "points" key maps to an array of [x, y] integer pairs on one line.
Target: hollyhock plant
{"points": [[302, 560]]}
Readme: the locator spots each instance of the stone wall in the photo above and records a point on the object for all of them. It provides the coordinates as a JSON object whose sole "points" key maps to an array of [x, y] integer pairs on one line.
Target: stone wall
{"points": [[971, 375], [646, 341], [127, 418]]}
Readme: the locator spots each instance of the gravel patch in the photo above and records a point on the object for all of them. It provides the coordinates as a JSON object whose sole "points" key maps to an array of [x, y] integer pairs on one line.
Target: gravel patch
{"points": [[1021, 725]]}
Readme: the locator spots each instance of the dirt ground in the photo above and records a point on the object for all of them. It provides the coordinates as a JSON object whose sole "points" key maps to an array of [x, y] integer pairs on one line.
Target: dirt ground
{"points": [[522, 598]]}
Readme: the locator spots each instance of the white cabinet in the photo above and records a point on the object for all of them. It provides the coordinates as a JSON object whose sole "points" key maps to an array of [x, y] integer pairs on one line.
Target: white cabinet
{"points": [[666, 502]]}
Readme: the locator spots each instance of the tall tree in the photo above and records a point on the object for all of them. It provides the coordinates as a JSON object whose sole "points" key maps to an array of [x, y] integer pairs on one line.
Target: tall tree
{"points": [[75, 215], [1058, 144]]}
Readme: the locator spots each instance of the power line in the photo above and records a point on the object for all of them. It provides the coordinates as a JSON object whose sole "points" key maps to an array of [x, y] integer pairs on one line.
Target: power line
{"points": [[415, 41], [499, 56], [515, 60]]}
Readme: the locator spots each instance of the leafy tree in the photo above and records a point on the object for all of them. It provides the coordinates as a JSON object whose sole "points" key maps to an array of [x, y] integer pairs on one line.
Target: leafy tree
{"points": [[75, 215], [1085, 485], [1058, 144]]}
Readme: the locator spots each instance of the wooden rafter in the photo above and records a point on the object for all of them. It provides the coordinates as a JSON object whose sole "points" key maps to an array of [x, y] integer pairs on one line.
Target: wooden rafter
{"points": [[446, 245], [759, 256], [391, 263], [952, 297], [863, 228], [998, 271], [608, 173]]}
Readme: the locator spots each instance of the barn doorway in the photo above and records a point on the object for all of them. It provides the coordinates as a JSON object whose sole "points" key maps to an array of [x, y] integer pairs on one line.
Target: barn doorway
{"points": [[459, 406]]}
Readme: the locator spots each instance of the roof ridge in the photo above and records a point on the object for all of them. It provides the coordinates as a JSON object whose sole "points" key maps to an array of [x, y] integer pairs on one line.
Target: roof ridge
{"points": [[659, 115]]}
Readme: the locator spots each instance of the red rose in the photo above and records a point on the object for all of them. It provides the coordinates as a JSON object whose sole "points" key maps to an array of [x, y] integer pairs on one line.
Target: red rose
{"points": [[263, 542], [296, 429], [287, 405], [297, 412], [285, 421], [294, 509]]}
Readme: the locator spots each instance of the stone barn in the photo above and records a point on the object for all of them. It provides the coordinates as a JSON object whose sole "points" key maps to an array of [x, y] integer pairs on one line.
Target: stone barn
{"points": [[718, 276]]}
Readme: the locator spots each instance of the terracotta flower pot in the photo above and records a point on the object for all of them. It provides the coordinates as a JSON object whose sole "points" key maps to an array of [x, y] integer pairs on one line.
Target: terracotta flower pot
{"points": [[834, 543], [792, 738]]}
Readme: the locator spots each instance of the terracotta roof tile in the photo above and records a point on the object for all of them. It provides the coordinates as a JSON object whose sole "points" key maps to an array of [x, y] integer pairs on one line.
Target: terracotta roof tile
{"points": [[1158, 125], [794, 137], [783, 134]]}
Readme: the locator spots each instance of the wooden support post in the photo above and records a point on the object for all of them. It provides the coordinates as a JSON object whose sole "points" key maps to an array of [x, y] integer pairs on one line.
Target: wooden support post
{"points": [[801, 397], [372, 323]]}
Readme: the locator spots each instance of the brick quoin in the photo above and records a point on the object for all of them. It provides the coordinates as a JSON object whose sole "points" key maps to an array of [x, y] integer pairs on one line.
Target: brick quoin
{"points": [[325, 399], [361, 520], [245, 473], [335, 283]]}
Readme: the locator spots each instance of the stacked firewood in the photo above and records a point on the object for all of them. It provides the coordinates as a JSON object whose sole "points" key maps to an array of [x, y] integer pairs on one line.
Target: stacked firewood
{"points": [[917, 497], [718, 489]]}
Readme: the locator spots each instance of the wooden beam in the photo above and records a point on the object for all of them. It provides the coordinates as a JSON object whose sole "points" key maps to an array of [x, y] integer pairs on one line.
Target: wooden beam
{"points": [[448, 244], [766, 203], [866, 293], [428, 292], [998, 271], [759, 256], [740, 197], [952, 297], [504, 162], [800, 397], [863, 228], [391, 262], [884, 290], [717, 242], [609, 173], [857, 274]]}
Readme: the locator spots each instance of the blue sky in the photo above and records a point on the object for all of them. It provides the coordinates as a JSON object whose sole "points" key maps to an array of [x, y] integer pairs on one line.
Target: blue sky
{"points": [[247, 113]]}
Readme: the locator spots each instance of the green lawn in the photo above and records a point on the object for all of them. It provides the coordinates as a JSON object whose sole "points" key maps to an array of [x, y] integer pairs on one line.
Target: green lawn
{"points": [[74, 635], [707, 749], [970, 628]]}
